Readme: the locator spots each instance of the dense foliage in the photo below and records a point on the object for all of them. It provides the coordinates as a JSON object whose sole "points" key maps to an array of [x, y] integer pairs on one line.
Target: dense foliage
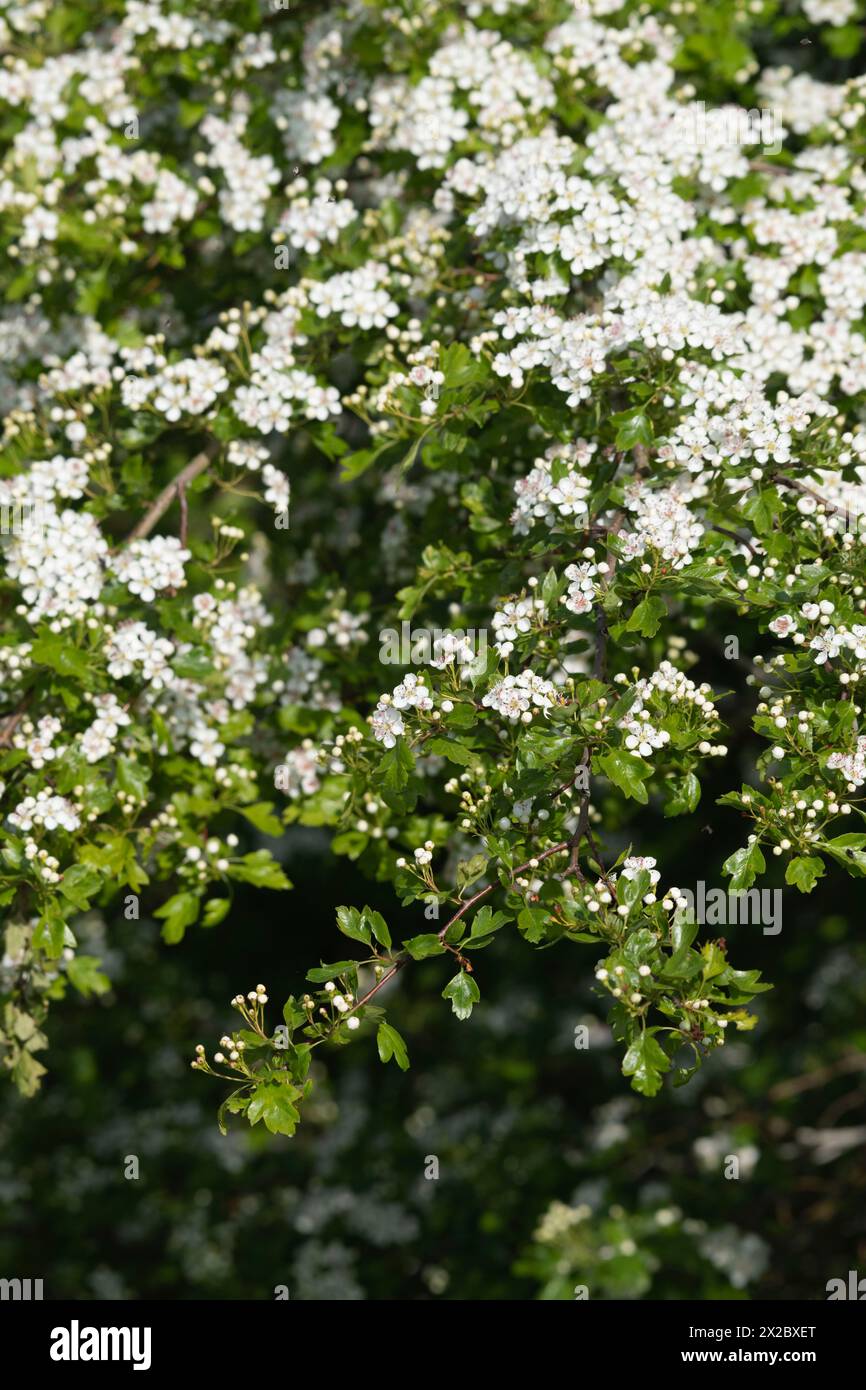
{"points": [[439, 424]]}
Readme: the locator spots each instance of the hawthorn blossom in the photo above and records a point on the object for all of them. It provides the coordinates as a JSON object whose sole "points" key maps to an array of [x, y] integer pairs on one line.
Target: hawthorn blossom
{"points": [[47, 809], [387, 724], [519, 697], [148, 566]]}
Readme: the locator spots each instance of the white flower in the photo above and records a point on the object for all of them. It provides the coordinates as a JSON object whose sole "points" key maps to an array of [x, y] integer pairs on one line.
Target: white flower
{"points": [[205, 745], [299, 773], [636, 864], [387, 724], [827, 644], [851, 765], [412, 693]]}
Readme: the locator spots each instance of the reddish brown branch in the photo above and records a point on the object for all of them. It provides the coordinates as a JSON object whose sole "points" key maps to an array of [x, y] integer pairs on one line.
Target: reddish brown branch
{"points": [[530, 863]]}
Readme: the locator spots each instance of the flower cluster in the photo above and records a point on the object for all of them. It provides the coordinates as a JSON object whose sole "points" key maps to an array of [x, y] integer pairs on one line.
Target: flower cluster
{"points": [[58, 566], [555, 488], [663, 523], [519, 697], [386, 721], [148, 567], [47, 810], [514, 619]]}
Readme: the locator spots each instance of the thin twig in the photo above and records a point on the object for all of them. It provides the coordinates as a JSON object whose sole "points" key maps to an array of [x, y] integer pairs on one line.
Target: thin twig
{"points": [[797, 486], [577, 837], [9, 727], [573, 778], [365, 998], [184, 513], [732, 535], [595, 850], [582, 823], [14, 719], [530, 863], [173, 489]]}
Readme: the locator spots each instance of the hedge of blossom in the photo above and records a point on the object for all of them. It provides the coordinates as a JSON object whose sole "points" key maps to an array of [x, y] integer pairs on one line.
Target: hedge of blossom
{"points": [[329, 323]]}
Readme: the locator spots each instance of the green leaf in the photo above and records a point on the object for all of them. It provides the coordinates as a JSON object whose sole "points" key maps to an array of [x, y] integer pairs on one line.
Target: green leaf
{"points": [[86, 976], [762, 509], [61, 656], [485, 924], [392, 776], [396, 766], [27, 1073], [632, 427], [132, 778], [453, 751], [849, 851], [468, 870], [79, 884], [420, 947], [116, 858], [714, 960], [684, 967], [321, 973], [272, 1101], [362, 459], [647, 616], [740, 985], [804, 872], [234, 1104], [744, 866], [390, 1045], [626, 772], [215, 910], [683, 932], [686, 797], [351, 923], [261, 869], [380, 927], [645, 1062], [843, 42], [261, 815], [351, 843], [49, 934], [462, 717], [532, 923], [179, 912], [194, 665], [631, 889], [463, 993]]}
